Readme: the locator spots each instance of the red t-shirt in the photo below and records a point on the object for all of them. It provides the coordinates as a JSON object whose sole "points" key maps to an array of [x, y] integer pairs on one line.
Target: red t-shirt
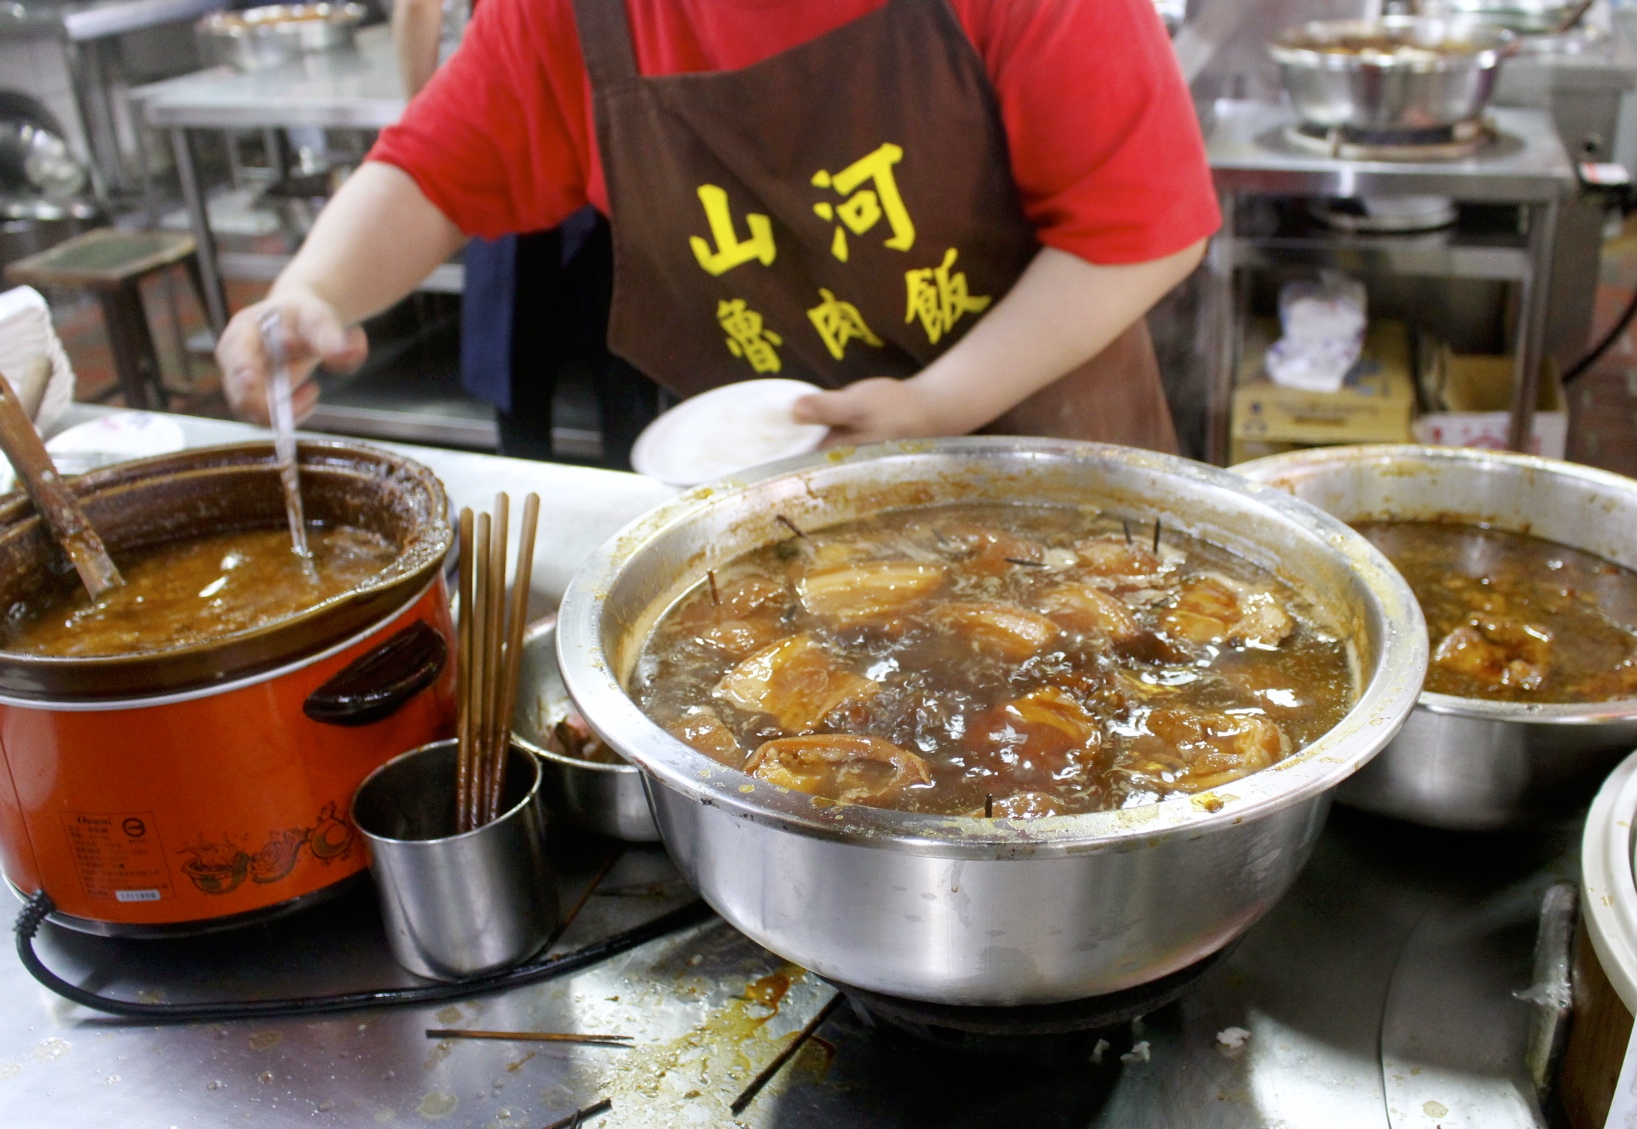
{"points": [[1104, 146]]}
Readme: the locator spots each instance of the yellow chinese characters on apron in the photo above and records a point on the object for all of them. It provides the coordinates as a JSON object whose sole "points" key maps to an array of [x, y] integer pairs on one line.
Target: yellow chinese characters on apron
{"points": [[842, 210]]}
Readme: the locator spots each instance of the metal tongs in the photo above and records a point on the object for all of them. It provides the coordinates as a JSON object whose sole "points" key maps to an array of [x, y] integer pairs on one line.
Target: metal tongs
{"points": [[283, 418]]}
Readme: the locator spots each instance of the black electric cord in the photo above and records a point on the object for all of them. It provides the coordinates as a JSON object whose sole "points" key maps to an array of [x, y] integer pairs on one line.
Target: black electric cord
{"points": [[1623, 197], [1603, 346], [40, 905]]}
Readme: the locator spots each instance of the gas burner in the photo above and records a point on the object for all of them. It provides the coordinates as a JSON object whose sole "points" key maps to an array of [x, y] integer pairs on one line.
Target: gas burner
{"points": [[1053, 1035], [1440, 143]]}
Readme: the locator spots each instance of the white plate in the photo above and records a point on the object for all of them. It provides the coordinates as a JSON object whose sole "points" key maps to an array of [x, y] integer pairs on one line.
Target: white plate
{"points": [[106, 440], [726, 430]]}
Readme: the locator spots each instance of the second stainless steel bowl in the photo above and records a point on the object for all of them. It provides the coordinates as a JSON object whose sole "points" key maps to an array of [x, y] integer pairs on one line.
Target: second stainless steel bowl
{"points": [[963, 910], [1395, 73], [610, 799], [1466, 763], [258, 38]]}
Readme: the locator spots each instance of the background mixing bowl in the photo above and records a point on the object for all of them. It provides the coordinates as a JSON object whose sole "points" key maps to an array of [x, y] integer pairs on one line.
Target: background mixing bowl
{"points": [[1465, 763], [1395, 73]]}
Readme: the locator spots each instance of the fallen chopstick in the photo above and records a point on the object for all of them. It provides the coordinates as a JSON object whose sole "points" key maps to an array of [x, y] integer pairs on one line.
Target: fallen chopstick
{"points": [[581, 1116], [529, 1036], [748, 1094]]}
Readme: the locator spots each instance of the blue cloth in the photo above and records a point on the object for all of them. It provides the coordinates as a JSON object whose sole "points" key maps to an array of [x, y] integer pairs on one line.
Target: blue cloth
{"points": [[486, 319]]}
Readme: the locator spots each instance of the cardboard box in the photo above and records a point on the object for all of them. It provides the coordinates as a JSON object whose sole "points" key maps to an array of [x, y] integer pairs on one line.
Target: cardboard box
{"points": [[1475, 394], [1376, 404]]}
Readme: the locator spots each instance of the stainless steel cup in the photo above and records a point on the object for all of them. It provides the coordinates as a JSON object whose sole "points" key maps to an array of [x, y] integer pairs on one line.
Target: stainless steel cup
{"points": [[457, 906]]}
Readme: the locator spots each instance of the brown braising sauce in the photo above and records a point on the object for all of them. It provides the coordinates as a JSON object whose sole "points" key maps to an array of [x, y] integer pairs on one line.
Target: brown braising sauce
{"points": [[193, 591], [1516, 618], [986, 658]]}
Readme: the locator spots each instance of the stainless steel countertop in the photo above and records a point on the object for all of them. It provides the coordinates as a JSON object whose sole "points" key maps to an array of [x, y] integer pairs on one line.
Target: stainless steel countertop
{"points": [[339, 89], [98, 19], [1247, 151], [1377, 994]]}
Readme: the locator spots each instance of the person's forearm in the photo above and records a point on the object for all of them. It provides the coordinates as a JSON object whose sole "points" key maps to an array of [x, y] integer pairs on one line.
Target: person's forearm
{"points": [[1061, 312], [375, 241], [416, 28]]}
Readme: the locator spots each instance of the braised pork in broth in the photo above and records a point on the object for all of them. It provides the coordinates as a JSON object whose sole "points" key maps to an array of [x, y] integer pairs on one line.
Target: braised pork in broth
{"points": [[1019, 661]]}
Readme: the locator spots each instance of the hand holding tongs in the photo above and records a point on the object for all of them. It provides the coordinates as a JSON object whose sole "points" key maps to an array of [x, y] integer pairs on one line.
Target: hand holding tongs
{"points": [[283, 418]]}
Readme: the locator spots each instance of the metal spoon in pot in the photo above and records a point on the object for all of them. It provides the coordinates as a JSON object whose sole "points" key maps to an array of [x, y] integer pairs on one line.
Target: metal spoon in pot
{"points": [[283, 419], [57, 506]]}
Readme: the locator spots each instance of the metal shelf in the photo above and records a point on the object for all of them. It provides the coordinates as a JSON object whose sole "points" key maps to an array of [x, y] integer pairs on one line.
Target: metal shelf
{"points": [[1446, 254]]}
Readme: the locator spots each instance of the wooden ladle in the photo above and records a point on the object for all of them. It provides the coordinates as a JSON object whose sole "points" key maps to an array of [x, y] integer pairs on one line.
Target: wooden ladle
{"points": [[52, 497]]}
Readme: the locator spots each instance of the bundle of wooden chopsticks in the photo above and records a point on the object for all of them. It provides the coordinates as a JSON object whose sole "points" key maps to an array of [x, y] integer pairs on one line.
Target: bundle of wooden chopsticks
{"points": [[491, 648]]}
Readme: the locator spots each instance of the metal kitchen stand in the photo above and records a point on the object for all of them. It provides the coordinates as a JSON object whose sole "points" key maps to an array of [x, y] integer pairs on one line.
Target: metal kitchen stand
{"points": [[335, 90], [1250, 155], [357, 89]]}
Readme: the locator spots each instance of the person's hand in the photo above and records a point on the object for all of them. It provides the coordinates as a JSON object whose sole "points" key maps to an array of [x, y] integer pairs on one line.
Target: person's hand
{"points": [[313, 335], [869, 411]]}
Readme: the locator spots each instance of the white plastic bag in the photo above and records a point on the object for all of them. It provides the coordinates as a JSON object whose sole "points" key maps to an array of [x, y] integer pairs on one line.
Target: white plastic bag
{"points": [[1323, 325]]}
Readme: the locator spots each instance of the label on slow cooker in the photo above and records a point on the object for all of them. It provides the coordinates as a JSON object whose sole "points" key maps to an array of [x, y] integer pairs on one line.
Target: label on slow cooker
{"points": [[118, 855]]}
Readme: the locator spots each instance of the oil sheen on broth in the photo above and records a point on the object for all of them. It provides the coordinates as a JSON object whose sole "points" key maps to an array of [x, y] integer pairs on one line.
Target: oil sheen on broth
{"points": [[192, 591], [1017, 660], [1516, 618]]}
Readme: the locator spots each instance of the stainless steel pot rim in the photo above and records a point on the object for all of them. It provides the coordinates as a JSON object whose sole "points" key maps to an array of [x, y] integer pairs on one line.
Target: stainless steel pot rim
{"points": [[527, 798], [535, 630], [1267, 470], [1303, 45], [432, 544], [1384, 704]]}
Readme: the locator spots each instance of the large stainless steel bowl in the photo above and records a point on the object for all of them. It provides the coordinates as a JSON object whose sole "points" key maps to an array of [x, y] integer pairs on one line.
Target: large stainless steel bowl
{"points": [[1395, 73], [976, 911], [1464, 763]]}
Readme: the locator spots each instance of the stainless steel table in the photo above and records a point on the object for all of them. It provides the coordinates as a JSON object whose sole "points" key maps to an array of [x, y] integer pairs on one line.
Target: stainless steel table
{"points": [[1379, 994], [339, 90], [1251, 154], [85, 31]]}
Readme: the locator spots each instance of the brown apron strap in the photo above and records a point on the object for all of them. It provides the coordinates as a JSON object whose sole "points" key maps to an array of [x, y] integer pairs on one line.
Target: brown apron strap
{"points": [[605, 42]]}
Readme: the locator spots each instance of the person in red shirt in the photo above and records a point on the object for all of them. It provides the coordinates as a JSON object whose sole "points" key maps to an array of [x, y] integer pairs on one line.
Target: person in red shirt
{"points": [[952, 213]]}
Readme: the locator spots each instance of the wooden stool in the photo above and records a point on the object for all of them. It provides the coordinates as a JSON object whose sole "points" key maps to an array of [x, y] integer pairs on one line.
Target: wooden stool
{"points": [[112, 262]]}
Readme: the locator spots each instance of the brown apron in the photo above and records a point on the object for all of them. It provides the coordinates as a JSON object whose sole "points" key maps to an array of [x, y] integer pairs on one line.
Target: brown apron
{"points": [[841, 210]]}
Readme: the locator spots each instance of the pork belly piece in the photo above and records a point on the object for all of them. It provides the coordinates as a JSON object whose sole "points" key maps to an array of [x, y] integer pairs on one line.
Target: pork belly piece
{"points": [[1007, 630], [990, 552], [856, 770], [1190, 750], [1042, 737], [1497, 652], [1114, 559], [867, 590], [703, 729], [737, 638], [796, 681], [1085, 608], [1216, 610]]}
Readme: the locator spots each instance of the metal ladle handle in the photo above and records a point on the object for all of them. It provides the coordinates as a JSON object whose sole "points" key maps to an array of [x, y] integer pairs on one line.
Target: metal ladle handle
{"points": [[281, 414]]}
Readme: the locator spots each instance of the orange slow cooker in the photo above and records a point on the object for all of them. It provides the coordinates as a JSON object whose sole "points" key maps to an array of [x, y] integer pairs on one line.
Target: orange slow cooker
{"points": [[207, 786]]}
